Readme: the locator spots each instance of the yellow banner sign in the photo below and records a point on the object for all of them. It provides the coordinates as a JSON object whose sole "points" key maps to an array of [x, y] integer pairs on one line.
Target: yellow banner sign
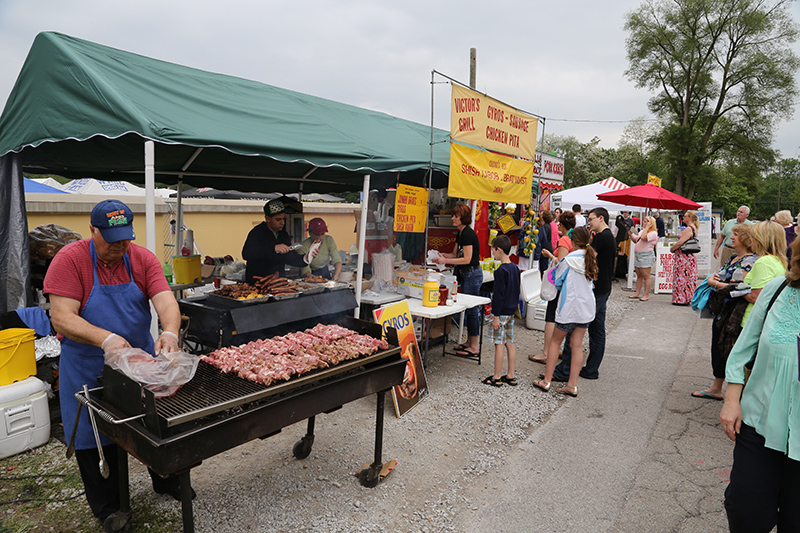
{"points": [[655, 180], [482, 121], [410, 209], [480, 175]]}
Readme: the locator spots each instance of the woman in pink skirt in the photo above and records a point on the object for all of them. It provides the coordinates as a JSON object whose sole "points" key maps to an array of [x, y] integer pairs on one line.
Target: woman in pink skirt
{"points": [[684, 266]]}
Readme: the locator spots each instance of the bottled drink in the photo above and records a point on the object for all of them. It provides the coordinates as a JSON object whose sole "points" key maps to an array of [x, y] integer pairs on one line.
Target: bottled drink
{"points": [[168, 272], [738, 275]]}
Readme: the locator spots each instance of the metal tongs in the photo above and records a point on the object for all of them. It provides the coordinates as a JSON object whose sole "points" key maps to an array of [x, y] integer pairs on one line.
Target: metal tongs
{"points": [[103, 464], [104, 471]]}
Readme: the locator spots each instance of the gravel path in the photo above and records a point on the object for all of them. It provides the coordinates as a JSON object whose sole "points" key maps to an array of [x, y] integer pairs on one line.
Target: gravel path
{"points": [[460, 432]]}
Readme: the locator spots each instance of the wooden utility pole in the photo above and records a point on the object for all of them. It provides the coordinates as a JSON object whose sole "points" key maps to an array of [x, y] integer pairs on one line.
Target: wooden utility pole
{"points": [[472, 67]]}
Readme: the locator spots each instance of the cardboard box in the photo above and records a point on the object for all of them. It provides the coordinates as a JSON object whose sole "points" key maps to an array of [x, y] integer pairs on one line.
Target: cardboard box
{"points": [[409, 283], [441, 326]]}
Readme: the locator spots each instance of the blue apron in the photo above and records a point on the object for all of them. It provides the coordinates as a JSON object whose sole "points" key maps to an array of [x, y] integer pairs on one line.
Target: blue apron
{"points": [[122, 309]]}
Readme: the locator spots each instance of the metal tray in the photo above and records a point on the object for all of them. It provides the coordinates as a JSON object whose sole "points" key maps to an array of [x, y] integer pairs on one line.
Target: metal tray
{"points": [[279, 297], [313, 288], [227, 300], [335, 285]]}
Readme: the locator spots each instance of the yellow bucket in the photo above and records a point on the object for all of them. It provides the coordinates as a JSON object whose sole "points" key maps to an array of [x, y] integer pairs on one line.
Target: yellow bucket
{"points": [[186, 268], [17, 355]]}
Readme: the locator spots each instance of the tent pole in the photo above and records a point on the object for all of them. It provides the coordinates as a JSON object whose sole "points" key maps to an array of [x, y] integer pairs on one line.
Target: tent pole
{"points": [[179, 215], [149, 194], [362, 238], [179, 220], [150, 215]]}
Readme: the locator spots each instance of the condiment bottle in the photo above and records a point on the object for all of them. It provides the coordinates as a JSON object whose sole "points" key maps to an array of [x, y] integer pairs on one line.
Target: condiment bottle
{"points": [[430, 292]]}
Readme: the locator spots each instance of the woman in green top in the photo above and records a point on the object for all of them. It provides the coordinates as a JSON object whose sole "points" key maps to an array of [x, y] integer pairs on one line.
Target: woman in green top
{"points": [[769, 244], [764, 418], [328, 251]]}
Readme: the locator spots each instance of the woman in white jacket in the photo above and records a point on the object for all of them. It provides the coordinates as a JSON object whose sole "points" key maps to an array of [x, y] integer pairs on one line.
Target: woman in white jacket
{"points": [[576, 307]]}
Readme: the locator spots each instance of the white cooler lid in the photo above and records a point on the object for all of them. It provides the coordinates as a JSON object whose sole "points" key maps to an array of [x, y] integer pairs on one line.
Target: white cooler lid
{"points": [[530, 284], [21, 389]]}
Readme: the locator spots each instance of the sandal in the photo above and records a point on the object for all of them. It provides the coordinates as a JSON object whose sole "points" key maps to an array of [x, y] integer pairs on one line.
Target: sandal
{"points": [[570, 391], [535, 359], [508, 380], [489, 380], [542, 384], [459, 348]]}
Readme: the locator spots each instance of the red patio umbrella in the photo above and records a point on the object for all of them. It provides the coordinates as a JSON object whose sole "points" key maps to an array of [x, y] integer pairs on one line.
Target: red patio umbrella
{"points": [[650, 197]]}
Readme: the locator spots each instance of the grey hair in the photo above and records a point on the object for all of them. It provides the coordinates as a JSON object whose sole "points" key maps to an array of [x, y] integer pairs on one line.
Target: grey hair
{"points": [[784, 217], [745, 207]]}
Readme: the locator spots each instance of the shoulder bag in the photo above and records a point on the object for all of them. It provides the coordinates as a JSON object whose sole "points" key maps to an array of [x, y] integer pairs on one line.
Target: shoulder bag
{"points": [[749, 366], [691, 246], [548, 292]]}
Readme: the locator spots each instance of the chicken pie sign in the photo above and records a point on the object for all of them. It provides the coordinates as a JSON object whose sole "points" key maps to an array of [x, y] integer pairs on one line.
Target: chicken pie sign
{"points": [[414, 386]]}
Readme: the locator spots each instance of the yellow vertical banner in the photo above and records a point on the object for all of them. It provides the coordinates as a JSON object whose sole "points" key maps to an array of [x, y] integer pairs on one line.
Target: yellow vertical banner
{"points": [[655, 180], [410, 209], [479, 120], [481, 175]]}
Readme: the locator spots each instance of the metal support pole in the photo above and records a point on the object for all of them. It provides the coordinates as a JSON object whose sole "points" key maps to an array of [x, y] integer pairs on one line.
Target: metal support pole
{"points": [[362, 232]]}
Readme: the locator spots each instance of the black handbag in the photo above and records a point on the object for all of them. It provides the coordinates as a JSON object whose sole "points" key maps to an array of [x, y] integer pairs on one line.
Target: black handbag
{"points": [[691, 246]]}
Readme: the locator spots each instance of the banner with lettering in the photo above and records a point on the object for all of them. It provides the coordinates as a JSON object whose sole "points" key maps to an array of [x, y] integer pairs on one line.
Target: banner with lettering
{"points": [[481, 175], [410, 209], [479, 120], [415, 385], [664, 262]]}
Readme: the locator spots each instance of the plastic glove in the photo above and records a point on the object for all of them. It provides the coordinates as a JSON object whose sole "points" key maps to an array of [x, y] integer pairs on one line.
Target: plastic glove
{"points": [[114, 342], [167, 342]]}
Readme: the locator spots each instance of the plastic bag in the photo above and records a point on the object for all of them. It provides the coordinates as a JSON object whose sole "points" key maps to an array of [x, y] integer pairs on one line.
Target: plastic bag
{"points": [[548, 292], [46, 240], [162, 375]]}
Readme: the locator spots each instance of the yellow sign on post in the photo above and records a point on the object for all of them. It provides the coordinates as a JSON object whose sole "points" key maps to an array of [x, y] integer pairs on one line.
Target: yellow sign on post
{"points": [[655, 180], [410, 209], [481, 175], [479, 120]]}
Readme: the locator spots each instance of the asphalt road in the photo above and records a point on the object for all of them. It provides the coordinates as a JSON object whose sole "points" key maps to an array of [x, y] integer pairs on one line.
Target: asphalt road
{"points": [[634, 452]]}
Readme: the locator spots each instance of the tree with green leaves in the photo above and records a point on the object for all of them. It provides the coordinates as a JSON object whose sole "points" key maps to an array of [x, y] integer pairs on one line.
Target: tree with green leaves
{"points": [[724, 75]]}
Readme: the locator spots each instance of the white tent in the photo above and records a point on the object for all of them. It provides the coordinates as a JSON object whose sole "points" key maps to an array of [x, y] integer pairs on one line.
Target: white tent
{"points": [[50, 182], [586, 196], [109, 188]]}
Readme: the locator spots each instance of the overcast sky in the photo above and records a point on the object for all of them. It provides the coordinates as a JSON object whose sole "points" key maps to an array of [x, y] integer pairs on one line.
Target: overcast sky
{"points": [[562, 60]]}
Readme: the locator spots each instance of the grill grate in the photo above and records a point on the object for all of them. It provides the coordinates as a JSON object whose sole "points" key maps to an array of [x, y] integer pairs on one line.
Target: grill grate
{"points": [[211, 390]]}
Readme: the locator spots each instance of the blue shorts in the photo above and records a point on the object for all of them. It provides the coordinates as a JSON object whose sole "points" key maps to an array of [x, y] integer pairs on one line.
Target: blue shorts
{"points": [[571, 326], [504, 334]]}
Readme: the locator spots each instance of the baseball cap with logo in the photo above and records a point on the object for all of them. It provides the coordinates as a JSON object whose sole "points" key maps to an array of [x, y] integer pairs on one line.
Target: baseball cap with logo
{"points": [[114, 220], [274, 207], [317, 226]]}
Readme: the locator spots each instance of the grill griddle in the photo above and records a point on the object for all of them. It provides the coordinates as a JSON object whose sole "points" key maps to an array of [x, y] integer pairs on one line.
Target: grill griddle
{"points": [[211, 390]]}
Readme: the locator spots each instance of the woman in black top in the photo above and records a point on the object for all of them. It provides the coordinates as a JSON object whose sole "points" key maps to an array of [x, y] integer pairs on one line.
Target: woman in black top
{"points": [[467, 261]]}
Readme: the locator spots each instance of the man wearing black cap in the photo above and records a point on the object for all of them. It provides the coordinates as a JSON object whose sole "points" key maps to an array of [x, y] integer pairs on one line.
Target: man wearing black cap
{"points": [[100, 291], [268, 246]]}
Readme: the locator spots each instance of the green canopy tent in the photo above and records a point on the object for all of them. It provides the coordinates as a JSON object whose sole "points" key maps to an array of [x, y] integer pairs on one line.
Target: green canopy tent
{"points": [[80, 109]]}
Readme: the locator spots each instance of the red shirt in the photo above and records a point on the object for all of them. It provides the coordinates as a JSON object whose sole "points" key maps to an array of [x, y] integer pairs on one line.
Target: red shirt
{"points": [[70, 274]]}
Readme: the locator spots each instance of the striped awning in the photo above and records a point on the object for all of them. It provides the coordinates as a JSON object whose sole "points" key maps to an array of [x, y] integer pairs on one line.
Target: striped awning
{"points": [[613, 183]]}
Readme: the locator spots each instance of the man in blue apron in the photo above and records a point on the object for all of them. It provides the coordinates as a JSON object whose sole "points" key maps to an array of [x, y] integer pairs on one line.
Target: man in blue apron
{"points": [[99, 290]]}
